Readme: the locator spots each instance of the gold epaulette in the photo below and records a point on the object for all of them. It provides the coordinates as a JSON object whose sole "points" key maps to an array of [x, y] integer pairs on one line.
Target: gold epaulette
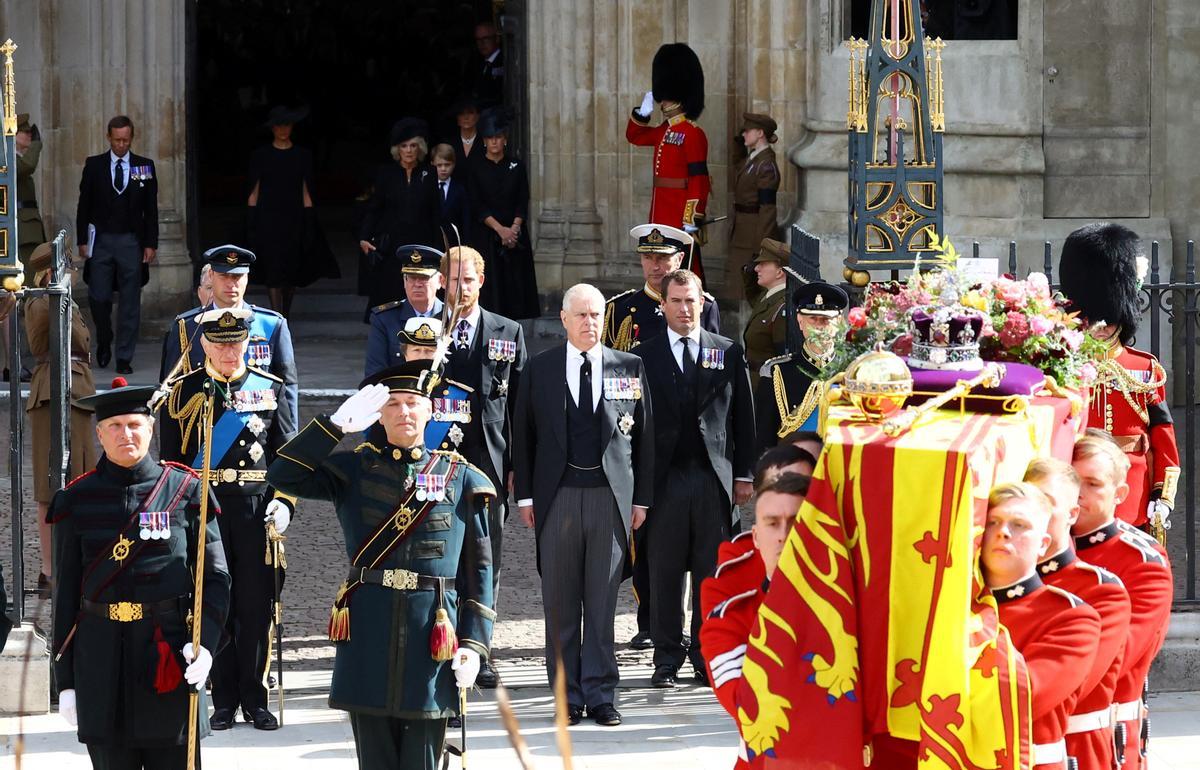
{"points": [[368, 445]]}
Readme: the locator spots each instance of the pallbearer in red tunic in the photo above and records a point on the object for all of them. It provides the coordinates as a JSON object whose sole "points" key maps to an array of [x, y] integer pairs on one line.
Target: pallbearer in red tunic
{"points": [[730, 598], [1089, 727], [1100, 274], [1141, 564], [681, 181], [1055, 631]]}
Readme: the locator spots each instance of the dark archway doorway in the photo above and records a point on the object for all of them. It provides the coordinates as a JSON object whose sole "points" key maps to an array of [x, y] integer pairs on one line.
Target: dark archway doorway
{"points": [[357, 65]]}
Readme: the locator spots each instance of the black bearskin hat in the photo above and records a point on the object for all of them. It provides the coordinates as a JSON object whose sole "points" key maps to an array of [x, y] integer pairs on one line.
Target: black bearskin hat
{"points": [[678, 77], [1098, 274]]}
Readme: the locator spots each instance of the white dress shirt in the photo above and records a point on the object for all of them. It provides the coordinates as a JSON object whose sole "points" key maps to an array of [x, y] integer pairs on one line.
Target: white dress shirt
{"points": [[677, 347], [112, 169], [574, 362]]}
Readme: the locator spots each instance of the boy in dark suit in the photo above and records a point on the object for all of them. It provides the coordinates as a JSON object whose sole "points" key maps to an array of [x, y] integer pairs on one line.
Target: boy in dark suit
{"points": [[452, 191], [118, 196]]}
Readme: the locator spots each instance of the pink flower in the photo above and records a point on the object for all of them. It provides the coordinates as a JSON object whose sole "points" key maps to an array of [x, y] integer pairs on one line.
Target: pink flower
{"points": [[1010, 292], [1039, 325], [1073, 338], [857, 317], [1015, 330], [1039, 286], [1087, 373]]}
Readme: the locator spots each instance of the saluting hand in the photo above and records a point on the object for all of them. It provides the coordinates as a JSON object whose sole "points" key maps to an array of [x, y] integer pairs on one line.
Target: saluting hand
{"points": [[361, 410]]}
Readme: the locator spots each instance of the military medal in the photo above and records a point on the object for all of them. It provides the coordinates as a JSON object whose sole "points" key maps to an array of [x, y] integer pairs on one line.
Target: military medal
{"points": [[622, 388], [254, 400], [625, 423], [154, 525], [255, 425], [431, 486], [712, 358], [120, 550], [502, 350], [255, 451], [258, 353]]}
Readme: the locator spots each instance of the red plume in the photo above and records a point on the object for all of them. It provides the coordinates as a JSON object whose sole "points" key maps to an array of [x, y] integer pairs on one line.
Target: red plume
{"points": [[119, 382]]}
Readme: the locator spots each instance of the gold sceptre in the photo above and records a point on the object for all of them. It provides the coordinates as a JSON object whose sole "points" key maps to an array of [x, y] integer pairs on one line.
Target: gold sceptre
{"points": [[989, 377], [193, 746], [1169, 487]]}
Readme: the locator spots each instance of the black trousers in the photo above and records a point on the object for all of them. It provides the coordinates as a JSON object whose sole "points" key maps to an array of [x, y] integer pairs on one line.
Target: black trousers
{"points": [[689, 521], [122, 758], [641, 582], [237, 674], [387, 743], [117, 262], [497, 513]]}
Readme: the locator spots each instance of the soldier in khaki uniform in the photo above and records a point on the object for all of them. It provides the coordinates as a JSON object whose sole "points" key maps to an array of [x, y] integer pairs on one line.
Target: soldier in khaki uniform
{"points": [[766, 331], [31, 231], [755, 186], [83, 442]]}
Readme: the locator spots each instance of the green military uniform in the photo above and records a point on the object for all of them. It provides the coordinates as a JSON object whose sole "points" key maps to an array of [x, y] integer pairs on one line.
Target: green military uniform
{"points": [[125, 542], [404, 553], [30, 230], [755, 188], [766, 329]]}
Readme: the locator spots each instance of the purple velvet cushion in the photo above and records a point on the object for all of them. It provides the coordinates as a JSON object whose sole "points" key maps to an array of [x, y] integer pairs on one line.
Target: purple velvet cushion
{"points": [[1019, 380]]}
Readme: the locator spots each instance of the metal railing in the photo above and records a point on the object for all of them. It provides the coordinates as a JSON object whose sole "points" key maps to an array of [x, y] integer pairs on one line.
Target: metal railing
{"points": [[59, 358]]}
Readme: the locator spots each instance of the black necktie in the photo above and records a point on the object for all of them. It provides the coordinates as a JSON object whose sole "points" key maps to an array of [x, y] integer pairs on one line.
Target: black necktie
{"points": [[585, 386], [119, 176], [443, 186], [689, 361]]}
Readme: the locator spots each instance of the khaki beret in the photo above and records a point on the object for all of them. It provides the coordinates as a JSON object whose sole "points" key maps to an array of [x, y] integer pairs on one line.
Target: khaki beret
{"points": [[771, 250]]}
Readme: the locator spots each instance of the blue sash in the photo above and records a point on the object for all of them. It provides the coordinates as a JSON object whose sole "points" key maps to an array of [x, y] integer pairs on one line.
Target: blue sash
{"points": [[435, 429], [229, 426], [262, 331]]}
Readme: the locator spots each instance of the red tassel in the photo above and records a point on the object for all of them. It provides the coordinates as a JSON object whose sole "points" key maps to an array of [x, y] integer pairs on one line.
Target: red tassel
{"points": [[167, 674], [443, 642]]}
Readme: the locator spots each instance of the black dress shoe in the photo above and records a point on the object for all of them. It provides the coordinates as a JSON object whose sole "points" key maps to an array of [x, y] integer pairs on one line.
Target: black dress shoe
{"points": [[605, 715], [641, 641], [262, 719], [103, 356], [221, 719], [687, 642], [664, 676], [574, 714], [488, 678], [701, 677], [124, 367], [454, 722]]}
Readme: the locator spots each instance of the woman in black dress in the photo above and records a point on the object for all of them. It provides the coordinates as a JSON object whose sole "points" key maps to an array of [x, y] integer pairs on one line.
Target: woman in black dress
{"points": [[500, 208], [404, 209], [283, 232]]}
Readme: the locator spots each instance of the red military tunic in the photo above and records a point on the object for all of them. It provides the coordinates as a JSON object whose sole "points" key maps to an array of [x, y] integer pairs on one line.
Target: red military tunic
{"points": [[1142, 565], [729, 600], [1089, 728], [1057, 634], [1129, 401], [681, 181]]}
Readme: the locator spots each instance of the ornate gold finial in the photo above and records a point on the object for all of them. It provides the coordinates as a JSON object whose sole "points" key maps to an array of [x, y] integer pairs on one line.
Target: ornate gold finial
{"points": [[10, 88], [933, 79]]}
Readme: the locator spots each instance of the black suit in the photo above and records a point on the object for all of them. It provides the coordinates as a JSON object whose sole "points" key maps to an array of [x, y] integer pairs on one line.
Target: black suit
{"points": [[494, 382], [126, 222], [582, 532], [456, 208], [703, 441]]}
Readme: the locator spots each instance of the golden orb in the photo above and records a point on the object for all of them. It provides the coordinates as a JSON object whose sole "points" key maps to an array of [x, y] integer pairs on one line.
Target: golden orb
{"points": [[878, 383], [847, 274], [14, 282], [859, 278]]}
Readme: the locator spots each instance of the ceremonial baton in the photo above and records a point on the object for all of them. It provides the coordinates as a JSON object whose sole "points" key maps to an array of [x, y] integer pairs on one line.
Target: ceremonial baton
{"points": [[193, 746], [278, 559], [462, 719]]}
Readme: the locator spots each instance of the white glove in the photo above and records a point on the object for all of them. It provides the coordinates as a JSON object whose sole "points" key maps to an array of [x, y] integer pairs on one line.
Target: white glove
{"points": [[66, 707], [465, 667], [361, 410], [197, 670], [647, 105], [279, 512], [1157, 509], [691, 229]]}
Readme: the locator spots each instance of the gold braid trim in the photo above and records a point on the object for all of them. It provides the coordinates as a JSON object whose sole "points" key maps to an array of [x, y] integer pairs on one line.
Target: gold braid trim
{"points": [[1113, 376], [792, 419], [186, 414]]}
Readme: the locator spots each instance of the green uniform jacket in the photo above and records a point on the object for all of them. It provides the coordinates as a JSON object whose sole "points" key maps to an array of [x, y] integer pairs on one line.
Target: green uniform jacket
{"points": [[385, 668], [766, 331], [110, 664]]}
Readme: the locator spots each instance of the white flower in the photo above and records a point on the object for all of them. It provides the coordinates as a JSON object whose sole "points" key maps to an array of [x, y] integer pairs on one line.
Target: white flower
{"points": [[1143, 267]]}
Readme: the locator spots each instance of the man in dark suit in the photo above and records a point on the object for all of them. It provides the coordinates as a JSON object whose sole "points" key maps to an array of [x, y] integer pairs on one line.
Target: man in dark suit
{"points": [[118, 195], [583, 453], [487, 355], [704, 457], [485, 76]]}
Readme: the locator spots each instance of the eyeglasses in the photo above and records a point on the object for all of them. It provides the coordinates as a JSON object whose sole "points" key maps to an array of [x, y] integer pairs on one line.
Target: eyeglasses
{"points": [[486, 37]]}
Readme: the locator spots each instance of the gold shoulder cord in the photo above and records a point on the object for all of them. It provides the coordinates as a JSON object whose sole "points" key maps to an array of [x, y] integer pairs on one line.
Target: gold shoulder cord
{"points": [[186, 414], [1111, 375], [608, 316], [790, 420]]}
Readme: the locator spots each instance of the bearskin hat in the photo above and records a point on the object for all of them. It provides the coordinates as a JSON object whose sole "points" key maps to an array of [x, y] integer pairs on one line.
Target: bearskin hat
{"points": [[678, 77], [1098, 274]]}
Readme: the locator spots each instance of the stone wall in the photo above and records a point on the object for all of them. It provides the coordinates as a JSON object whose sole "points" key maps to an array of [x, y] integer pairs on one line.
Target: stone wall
{"points": [[78, 64]]}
